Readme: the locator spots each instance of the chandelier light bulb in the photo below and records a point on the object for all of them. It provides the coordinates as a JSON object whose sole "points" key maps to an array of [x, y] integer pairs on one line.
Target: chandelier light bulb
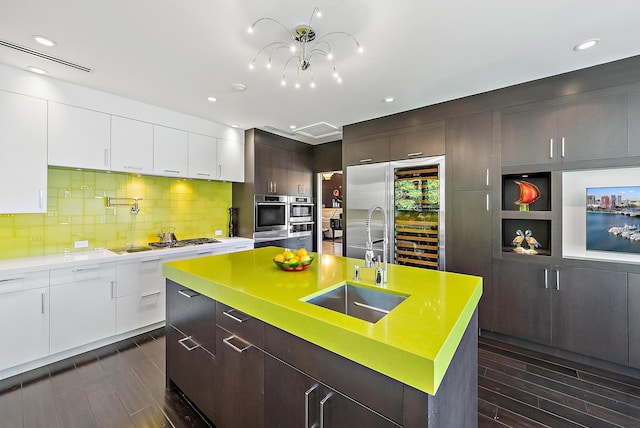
{"points": [[360, 49], [250, 30], [252, 65], [312, 84], [283, 82], [339, 80], [269, 65], [292, 48], [297, 84], [336, 75], [318, 13], [330, 56]]}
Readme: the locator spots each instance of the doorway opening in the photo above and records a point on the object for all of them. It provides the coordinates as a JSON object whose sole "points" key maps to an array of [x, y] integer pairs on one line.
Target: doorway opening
{"points": [[329, 205]]}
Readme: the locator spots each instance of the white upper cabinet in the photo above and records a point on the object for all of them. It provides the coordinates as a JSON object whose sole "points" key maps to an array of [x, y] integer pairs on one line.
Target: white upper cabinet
{"points": [[78, 137], [202, 157], [169, 151], [131, 145], [230, 158], [23, 138]]}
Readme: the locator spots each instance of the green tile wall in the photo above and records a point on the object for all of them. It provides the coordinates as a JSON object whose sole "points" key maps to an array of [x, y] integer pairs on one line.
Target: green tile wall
{"points": [[77, 211]]}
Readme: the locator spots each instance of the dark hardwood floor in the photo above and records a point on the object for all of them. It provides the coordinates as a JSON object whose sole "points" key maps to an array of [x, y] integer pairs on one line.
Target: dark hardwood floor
{"points": [[522, 388], [123, 385]]}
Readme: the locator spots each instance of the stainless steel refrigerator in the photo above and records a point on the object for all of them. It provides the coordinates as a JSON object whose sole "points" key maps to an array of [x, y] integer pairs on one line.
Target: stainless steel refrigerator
{"points": [[412, 194]]}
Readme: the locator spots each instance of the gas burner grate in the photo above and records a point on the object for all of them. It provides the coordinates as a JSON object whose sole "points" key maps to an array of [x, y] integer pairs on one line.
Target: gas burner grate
{"points": [[183, 243]]}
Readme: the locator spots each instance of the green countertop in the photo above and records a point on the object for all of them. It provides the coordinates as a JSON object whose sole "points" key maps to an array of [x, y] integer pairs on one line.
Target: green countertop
{"points": [[413, 344]]}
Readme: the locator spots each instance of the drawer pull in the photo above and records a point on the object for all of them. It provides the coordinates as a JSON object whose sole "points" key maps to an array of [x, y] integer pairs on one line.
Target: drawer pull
{"points": [[237, 348], [244, 317], [17, 278], [306, 404], [204, 174], [150, 293], [322, 403], [365, 160], [85, 269], [414, 154], [173, 171], [157, 259], [137, 168], [187, 347], [186, 294]]}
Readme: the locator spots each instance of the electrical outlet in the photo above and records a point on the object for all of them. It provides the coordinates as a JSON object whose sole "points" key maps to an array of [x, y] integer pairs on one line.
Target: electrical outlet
{"points": [[80, 244], [218, 233]]}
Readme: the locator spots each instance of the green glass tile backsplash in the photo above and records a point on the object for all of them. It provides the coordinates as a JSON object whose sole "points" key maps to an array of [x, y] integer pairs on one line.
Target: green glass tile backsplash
{"points": [[77, 211]]}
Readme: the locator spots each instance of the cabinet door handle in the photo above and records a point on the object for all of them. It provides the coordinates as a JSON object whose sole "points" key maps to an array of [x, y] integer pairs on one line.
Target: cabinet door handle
{"points": [[307, 393], [414, 154], [41, 198], [186, 294], [322, 403], [42, 303], [187, 347], [237, 348], [275, 186], [157, 259], [113, 283], [230, 312], [173, 171], [365, 160], [551, 148], [219, 170], [203, 174], [546, 278], [557, 280], [488, 203], [137, 168], [106, 157], [487, 177], [562, 147]]}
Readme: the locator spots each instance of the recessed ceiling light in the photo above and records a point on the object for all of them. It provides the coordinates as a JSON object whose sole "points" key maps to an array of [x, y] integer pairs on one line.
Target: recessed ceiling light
{"points": [[389, 99], [37, 70], [44, 40], [234, 125], [586, 44], [212, 99]]}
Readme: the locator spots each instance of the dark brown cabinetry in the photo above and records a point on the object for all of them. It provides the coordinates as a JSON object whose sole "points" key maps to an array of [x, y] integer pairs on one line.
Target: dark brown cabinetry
{"points": [[634, 320], [633, 113], [367, 151], [421, 141], [191, 346], [575, 309], [470, 150], [271, 170], [300, 180], [584, 130], [293, 399]]}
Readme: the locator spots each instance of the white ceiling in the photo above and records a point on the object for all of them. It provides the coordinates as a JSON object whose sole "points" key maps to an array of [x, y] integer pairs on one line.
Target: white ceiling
{"points": [[175, 54]]}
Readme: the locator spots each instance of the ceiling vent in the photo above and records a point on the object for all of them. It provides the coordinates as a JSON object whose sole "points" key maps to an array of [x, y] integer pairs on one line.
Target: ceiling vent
{"points": [[318, 130], [43, 56]]}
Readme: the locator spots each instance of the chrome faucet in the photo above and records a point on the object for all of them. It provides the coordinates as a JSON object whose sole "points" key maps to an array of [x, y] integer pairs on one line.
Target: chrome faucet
{"points": [[369, 257]]}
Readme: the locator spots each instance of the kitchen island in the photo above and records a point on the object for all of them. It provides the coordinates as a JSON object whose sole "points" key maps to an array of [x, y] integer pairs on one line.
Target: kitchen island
{"points": [[248, 348]]}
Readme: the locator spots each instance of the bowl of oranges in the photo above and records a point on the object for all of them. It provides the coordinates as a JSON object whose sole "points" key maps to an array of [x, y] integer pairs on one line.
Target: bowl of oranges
{"points": [[293, 260]]}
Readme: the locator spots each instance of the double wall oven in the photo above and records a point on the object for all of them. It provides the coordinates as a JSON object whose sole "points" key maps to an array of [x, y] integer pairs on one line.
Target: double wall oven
{"points": [[300, 216], [280, 220]]}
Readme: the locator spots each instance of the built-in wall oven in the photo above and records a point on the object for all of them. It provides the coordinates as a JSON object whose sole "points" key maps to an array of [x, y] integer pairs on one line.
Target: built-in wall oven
{"points": [[271, 219], [300, 216]]}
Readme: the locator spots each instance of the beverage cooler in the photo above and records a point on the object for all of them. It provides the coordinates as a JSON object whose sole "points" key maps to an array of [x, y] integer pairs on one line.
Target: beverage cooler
{"points": [[412, 193]]}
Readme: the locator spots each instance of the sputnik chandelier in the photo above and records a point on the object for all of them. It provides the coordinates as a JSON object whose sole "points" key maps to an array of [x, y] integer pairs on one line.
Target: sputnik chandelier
{"points": [[301, 45]]}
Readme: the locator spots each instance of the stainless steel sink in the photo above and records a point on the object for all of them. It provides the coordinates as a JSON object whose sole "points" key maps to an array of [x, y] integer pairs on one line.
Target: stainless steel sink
{"points": [[365, 303]]}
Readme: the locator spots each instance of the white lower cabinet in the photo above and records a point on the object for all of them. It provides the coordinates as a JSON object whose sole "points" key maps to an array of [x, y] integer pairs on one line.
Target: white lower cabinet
{"points": [[83, 305], [24, 316]]}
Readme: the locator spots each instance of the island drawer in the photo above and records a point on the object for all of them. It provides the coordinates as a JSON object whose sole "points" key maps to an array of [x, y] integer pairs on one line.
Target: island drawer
{"points": [[242, 325], [192, 314]]}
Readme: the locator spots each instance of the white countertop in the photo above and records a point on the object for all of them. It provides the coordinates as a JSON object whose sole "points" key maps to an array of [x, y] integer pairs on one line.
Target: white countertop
{"points": [[76, 258]]}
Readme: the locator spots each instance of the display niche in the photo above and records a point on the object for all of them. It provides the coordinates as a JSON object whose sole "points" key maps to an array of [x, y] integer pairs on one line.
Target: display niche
{"points": [[526, 237], [526, 192]]}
